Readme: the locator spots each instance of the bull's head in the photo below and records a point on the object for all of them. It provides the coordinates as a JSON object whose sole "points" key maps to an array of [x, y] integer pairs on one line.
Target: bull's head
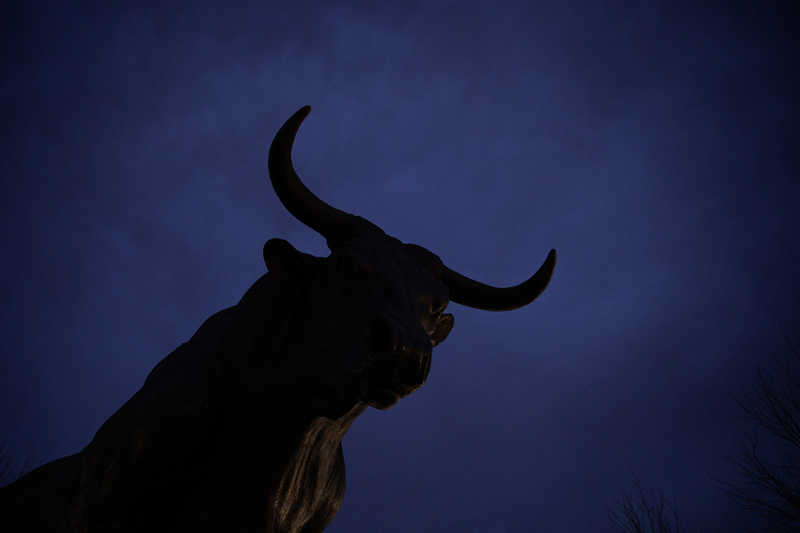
{"points": [[379, 303]]}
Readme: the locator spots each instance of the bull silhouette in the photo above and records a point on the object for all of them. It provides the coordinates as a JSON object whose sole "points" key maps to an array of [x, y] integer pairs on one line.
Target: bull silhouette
{"points": [[240, 428]]}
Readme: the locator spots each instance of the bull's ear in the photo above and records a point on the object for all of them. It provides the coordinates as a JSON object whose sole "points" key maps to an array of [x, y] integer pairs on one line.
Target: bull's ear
{"points": [[286, 264], [443, 328]]}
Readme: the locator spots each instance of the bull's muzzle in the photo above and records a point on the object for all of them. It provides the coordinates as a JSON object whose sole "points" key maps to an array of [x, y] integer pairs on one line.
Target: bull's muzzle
{"points": [[381, 339], [394, 362]]}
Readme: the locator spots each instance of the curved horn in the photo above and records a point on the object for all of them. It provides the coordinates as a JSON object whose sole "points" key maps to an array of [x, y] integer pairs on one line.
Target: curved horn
{"points": [[474, 294], [295, 197]]}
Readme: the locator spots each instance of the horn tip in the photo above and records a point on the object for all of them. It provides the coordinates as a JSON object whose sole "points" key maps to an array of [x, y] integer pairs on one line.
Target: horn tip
{"points": [[548, 267], [298, 118]]}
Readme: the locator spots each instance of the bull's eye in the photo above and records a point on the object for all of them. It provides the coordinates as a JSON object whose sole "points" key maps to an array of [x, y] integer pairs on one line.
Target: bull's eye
{"points": [[351, 269]]}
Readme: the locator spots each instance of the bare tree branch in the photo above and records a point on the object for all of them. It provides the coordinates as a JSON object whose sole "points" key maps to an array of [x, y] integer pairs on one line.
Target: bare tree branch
{"points": [[769, 482], [6, 462], [640, 512]]}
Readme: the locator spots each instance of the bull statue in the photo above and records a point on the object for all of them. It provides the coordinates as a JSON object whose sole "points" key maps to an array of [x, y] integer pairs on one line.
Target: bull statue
{"points": [[240, 428]]}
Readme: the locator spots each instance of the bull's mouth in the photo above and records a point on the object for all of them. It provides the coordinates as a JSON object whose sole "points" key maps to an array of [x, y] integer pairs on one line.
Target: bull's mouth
{"points": [[395, 376], [392, 363], [382, 394]]}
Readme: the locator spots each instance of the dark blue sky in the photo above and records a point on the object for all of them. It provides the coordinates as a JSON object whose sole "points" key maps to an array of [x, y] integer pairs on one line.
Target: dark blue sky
{"points": [[654, 145]]}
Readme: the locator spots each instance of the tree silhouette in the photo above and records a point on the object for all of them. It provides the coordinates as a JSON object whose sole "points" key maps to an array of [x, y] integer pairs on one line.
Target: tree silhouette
{"points": [[769, 484], [640, 512], [767, 460], [7, 475], [7, 460]]}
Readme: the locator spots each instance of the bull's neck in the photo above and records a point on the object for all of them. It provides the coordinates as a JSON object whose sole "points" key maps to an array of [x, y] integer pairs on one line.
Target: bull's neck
{"points": [[311, 479], [292, 462], [280, 427]]}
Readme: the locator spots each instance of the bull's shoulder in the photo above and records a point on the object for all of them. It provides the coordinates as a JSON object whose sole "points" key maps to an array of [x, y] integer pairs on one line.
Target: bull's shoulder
{"points": [[143, 455], [212, 325]]}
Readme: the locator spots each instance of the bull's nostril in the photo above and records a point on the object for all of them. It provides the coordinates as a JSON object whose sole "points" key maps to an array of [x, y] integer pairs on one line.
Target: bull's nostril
{"points": [[380, 338]]}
